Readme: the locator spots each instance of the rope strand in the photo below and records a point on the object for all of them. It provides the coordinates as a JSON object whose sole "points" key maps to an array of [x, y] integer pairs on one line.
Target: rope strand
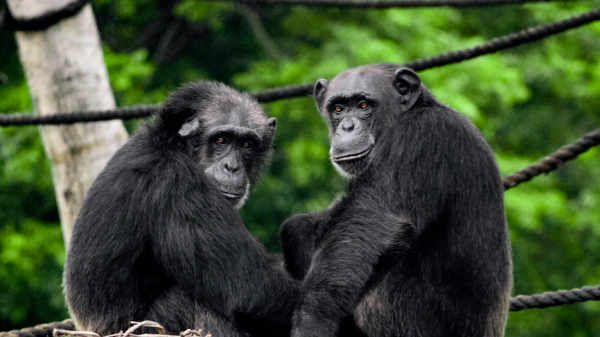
{"points": [[42, 330], [501, 43], [42, 22], [138, 111], [555, 298], [275, 94], [554, 160], [507, 41]]}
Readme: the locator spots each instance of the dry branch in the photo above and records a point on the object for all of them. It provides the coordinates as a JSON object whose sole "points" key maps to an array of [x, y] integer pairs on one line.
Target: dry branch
{"points": [[129, 333]]}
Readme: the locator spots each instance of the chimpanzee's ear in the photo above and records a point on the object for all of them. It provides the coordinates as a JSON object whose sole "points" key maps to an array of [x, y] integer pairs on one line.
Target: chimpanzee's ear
{"points": [[189, 128], [408, 85], [320, 89], [179, 113], [270, 134], [176, 120]]}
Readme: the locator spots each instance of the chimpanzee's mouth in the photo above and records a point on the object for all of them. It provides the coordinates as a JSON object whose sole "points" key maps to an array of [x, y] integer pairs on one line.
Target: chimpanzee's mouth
{"points": [[353, 156], [230, 195]]}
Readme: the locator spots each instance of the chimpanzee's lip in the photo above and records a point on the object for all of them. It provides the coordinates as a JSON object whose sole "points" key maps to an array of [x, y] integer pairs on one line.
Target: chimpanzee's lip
{"points": [[230, 195], [353, 156]]}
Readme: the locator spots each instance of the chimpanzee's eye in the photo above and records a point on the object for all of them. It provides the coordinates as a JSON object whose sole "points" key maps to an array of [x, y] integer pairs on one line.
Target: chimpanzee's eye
{"points": [[338, 108], [247, 145], [222, 141], [363, 105]]}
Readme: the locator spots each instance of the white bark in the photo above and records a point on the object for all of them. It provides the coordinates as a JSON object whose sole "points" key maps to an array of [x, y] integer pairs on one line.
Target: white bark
{"points": [[66, 72]]}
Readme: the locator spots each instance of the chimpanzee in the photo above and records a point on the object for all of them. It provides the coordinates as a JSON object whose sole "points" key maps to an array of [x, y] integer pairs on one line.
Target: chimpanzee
{"points": [[158, 236], [418, 246]]}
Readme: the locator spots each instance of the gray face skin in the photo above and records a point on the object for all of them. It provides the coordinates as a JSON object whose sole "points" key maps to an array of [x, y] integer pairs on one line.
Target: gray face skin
{"points": [[359, 105], [233, 138], [231, 151]]}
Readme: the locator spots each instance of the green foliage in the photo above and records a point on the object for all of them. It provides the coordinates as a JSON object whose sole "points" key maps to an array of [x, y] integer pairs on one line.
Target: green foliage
{"points": [[31, 245], [31, 258], [212, 12], [129, 72], [527, 101]]}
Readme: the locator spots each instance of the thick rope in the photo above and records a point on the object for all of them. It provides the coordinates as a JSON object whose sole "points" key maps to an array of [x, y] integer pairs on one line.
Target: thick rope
{"points": [[501, 43], [41, 330], [375, 4], [507, 41], [554, 160], [9, 22], [554, 298], [271, 95], [139, 111]]}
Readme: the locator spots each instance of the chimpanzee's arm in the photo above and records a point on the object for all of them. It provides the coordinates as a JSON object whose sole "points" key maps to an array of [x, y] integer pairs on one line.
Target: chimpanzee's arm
{"points": [[299, 236], [343, 265], [218, 263]]}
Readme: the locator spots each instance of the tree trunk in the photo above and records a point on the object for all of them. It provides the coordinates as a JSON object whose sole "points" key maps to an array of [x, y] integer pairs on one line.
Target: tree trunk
{"points": [[66, 72]]}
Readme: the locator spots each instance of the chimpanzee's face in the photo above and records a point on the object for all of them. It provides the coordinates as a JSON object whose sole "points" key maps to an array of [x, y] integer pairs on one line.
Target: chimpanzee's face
{"points": [[232, 137], [359, 105]]}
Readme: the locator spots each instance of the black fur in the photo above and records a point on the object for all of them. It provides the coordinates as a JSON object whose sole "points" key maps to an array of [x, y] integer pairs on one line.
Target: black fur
{"points": [[157, 239], [418, 246]]}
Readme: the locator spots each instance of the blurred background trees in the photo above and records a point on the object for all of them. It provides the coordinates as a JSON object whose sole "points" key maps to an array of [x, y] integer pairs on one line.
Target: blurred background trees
{"points": [[527, 101]]}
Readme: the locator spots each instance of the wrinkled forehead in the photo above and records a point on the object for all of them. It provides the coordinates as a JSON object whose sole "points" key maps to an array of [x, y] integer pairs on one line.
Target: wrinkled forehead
{"points": [[235, 111], [359, 80]]}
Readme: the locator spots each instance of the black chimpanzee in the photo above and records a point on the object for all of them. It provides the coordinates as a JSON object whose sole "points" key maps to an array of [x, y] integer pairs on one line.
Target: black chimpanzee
{"points": [[418, 246], [158, 236]]}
